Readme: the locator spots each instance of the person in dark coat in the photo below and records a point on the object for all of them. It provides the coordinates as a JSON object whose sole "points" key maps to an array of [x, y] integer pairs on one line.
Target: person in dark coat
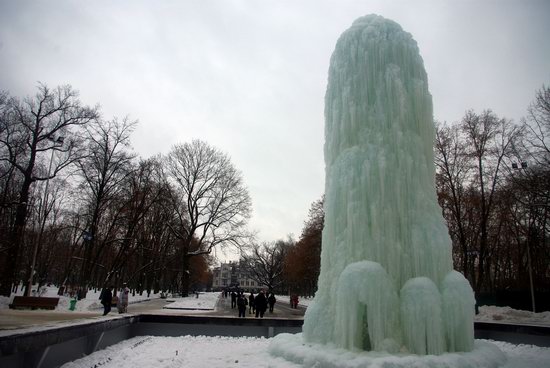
{"points": [[233, 299], [260, 302], [106, 299], [241, 304], [271, 301], [251, 303], [294, 301]]}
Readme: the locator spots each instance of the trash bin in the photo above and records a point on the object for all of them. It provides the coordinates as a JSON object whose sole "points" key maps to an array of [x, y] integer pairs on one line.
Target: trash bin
{"points": [[72, 304]]}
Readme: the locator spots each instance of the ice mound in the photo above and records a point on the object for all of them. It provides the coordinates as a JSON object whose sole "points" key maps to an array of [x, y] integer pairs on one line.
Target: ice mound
{"points": [[386, 282]]}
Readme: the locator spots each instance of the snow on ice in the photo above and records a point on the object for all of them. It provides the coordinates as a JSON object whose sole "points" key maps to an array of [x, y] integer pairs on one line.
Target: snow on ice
{"points": [[222, 352]]}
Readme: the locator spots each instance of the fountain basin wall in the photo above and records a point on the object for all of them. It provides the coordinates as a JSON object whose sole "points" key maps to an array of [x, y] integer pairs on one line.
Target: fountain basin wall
{"points": [[55, 346]]}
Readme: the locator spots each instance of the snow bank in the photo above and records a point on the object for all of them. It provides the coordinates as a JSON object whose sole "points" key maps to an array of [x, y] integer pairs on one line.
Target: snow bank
{"points": [[4, 302], [218, 352], [90, 303], [187, 351], [490, 313]]}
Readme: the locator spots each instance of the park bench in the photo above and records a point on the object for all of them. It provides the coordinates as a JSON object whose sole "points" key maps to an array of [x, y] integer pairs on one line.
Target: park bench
{"points": [[34, 302]]}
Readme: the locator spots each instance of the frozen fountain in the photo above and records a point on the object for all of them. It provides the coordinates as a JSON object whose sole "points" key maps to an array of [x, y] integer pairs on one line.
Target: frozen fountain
{"points": [[386, 285]]}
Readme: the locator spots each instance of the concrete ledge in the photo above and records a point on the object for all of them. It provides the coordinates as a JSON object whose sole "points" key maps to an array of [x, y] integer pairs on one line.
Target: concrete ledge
{"points": [[52, 347], [514, 333], [33, 340], [215, 320], [168, 325]]}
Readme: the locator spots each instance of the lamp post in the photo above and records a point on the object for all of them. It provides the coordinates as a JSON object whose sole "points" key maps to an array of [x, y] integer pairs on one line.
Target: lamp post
{"points": [[529, 268], [57, 143], [532, 288]]}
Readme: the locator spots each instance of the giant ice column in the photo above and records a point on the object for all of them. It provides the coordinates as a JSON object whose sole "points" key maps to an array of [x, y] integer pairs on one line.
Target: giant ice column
{"points": [[386, 280]]}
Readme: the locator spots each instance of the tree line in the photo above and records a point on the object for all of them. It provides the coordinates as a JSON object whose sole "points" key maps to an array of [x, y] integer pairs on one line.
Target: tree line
{"points": [[79, 208], [493, 184]]}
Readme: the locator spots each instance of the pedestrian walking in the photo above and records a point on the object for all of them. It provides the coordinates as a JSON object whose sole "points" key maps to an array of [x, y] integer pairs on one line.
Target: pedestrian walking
{"points": [[241, 304], [123, 299], [260, 302], [251, 308], [294, 301], [271, 301], [106, 298], [233, 299]]}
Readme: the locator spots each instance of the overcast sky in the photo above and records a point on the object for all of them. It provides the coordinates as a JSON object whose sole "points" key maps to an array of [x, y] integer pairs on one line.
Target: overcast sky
{"points": [[249, 77]]}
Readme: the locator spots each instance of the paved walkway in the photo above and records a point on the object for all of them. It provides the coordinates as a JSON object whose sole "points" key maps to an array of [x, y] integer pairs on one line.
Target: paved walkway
{"points": [[16, 319], [281, 310]]}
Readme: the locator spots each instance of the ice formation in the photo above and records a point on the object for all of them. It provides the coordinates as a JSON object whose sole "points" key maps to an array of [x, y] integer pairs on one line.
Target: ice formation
{"points": [[386, 281]]}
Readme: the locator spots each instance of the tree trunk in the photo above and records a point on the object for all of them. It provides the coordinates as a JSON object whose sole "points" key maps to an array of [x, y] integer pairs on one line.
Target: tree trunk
{"points": [[185, 277], [9, 276]]}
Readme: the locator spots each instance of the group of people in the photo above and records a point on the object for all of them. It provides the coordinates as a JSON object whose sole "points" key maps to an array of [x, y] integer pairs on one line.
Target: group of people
{"points": [[120, 301], [257, 305]]}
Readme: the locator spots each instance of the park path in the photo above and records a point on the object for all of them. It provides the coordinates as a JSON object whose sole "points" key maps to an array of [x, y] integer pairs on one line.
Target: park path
{"points": [[17, 319], [281, 310], [11, 319]]}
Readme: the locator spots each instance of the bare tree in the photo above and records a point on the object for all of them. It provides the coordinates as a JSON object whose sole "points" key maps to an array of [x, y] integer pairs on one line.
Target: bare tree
{"points": [[30, 132], [489, 140], [104, 171], [210, 201], [144, 188], [265, 262], [472, 158], [538, 125], [452, 178]]}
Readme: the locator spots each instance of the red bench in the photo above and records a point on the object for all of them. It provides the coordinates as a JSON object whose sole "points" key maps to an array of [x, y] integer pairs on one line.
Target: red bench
{"points": [[34, 302]]}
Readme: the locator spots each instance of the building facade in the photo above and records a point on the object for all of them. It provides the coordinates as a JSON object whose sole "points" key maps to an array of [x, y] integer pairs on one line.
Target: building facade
{"points": [[232, 274]]}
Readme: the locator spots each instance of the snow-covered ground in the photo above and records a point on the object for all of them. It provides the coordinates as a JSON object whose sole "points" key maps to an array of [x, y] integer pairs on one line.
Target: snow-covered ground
{"points": [[205, 302], [90, 303], [490, 313], [212, 352]]}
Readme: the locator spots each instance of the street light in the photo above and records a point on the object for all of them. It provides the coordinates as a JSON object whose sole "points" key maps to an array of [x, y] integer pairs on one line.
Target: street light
{"points": [[529, 268], [57, 143]]}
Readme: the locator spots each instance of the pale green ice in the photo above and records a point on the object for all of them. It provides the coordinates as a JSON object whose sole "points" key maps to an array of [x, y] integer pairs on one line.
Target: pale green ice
{"points": [[386, 281]]}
